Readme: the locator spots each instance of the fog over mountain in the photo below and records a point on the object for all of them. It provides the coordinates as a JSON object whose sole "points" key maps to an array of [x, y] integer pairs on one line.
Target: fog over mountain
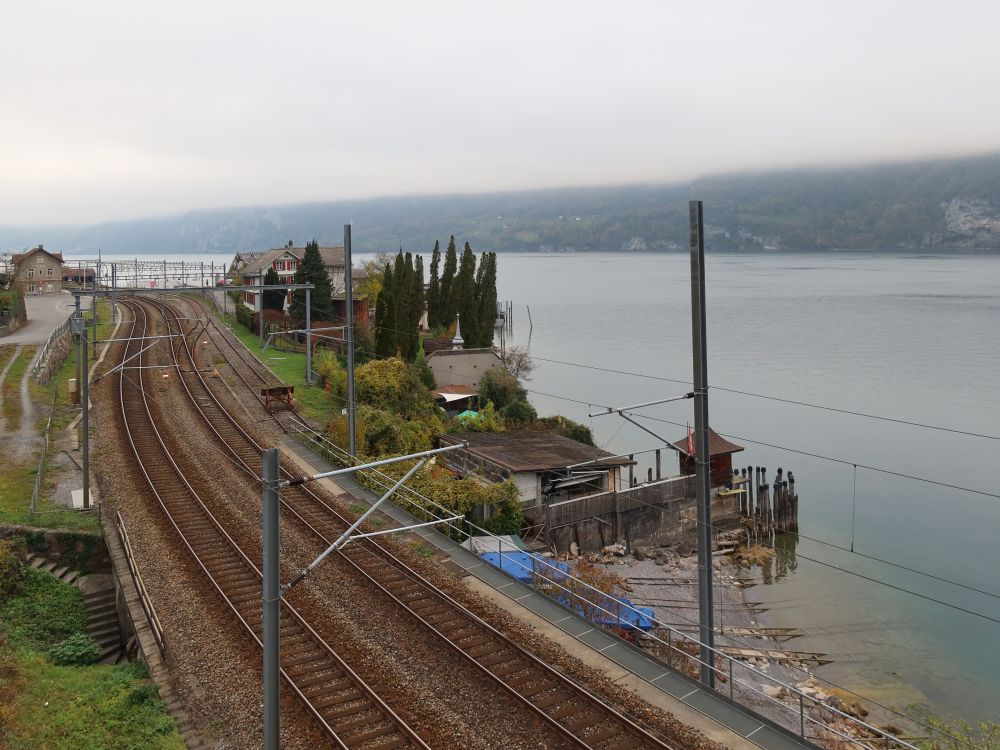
{"points": [[933, 204]]}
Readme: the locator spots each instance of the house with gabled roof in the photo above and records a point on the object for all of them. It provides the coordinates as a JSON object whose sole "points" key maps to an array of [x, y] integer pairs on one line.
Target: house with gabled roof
{"points": [[38, 271]]}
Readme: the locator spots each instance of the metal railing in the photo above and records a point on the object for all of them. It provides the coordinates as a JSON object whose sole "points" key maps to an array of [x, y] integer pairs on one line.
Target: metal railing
{"points": [[43, 356], [806, 715], [144, 600], [36, 491]]}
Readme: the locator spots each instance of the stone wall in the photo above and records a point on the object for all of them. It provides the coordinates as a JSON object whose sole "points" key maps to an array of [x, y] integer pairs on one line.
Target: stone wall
{"points": [[79, 550]]}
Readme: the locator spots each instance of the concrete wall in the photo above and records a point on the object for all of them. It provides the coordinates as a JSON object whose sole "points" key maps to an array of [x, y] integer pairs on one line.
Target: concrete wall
{"points": [[647, 515], [463, 367]]}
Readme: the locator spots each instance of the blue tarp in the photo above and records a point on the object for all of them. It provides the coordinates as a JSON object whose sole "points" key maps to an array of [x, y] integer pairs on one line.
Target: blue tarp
{"points": [[524, 566]]}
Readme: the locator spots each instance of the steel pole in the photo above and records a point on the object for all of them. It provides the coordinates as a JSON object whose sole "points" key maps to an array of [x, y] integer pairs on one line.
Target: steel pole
{"points": [[349, 297], [703, 459], [309, 338], [85, 395], [272, 601], [78, 313], [97, 275]]}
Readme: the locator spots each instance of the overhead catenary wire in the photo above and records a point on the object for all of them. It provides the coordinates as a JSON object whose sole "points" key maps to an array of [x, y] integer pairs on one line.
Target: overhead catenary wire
{"points": [[410, 491]]}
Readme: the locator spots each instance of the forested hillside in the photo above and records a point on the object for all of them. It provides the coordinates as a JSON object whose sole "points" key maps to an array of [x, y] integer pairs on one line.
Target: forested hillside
{"points": [[934, 204]]}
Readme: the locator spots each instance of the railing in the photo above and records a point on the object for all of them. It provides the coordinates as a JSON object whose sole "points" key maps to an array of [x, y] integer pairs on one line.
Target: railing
{"points": [[36, 491], [43, 356], [807, 715], [147, 605]]}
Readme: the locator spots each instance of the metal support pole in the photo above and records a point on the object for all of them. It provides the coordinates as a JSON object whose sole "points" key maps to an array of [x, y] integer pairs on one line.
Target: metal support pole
{"points": [[97, 276], [702, 457], [309, 339], [349, 298], [85, 424], [272, 600], [78, 314], [659, 465], [164, 274], [259, 297]]}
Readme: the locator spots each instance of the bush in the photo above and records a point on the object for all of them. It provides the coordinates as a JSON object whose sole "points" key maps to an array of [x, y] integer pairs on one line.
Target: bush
{"points": [[501, 388], [77, 650], [46, 612], [566, 428], [12, 566], [519, 413], [393, 385], [487, 420], [243, 314]]}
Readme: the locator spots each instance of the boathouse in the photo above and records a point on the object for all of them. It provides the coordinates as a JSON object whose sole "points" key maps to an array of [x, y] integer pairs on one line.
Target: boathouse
{"points": [[721, 452]]}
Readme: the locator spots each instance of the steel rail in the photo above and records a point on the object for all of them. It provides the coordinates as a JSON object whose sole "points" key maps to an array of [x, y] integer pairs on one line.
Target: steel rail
{"points": [[463, 631], [311, 668]]}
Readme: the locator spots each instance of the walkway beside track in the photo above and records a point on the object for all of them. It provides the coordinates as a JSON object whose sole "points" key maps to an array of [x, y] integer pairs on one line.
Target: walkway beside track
{"points": [[689, 702]]}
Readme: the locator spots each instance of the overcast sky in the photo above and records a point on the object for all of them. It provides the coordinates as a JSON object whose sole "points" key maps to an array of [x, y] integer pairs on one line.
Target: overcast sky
{"points": [[112, 110]]}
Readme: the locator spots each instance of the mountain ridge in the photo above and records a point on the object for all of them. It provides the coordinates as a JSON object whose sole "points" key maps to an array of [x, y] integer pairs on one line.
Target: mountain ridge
{"points": [[934, 204]]}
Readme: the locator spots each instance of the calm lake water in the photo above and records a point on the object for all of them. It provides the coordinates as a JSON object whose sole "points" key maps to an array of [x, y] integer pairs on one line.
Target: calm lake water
{"points": [[910, 336]]}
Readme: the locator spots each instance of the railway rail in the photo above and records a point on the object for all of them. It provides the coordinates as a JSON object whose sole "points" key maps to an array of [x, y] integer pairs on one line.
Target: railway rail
{"points": [[581, 717], [338, 699]]}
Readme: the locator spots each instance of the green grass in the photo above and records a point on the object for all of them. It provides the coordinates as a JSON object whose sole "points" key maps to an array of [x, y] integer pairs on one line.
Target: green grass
{"points": [[70, 708], [11, 392], [6, 352], [16, 483], [313, 402]]}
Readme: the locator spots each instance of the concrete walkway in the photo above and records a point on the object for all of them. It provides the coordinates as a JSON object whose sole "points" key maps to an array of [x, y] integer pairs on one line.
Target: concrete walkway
{"points": [[45, 313], [689, 702]]}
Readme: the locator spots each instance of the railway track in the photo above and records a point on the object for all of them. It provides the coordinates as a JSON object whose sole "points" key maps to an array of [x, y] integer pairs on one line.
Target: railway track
{"points": [[338, 699], [581, 717]]}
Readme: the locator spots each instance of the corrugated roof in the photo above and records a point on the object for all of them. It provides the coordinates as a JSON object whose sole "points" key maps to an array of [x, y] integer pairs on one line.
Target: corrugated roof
{"points": [[717, 445], [453, 390], [531, 450]]}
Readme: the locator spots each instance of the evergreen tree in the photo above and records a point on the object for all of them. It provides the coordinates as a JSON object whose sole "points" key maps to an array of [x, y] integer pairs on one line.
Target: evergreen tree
{"points": [[312, 271], [465, 297], [448, 303], [415, 311], [385, 334], [486, 297], [401, 287], [273, 299], [434, 288]]}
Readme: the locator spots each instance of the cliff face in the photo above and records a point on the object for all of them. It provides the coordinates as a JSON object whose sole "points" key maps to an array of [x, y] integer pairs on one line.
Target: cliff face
{"points": [[939, 204]]}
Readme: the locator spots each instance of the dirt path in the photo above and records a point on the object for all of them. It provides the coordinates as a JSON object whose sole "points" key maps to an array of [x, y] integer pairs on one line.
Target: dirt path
{"points": [[18, 432]]}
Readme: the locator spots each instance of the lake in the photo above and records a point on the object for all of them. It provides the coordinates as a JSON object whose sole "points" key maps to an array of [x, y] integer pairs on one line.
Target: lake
{"points": [[909, 336], [913, 336]]}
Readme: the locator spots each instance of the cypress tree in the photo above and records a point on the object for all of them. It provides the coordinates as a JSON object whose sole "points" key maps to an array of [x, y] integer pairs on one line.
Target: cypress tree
{"points": [[312, 271], [448, 302], [486, 297], [465, 297], [385, 334], [434, 288], [273, 299], [416, 309]]}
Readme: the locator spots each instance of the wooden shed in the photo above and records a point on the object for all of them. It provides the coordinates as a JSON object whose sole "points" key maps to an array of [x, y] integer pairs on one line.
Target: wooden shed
{"points": [[721, 451]]}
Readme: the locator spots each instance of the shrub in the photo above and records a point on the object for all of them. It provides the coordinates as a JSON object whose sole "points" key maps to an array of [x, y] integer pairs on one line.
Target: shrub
{"points": [[519, 413], [566, 428], [501, 388], [46, 612], [12, 566], [243, 314], [77, 650]]}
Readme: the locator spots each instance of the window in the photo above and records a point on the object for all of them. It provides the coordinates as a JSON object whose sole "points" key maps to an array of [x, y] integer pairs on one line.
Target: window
{"points": [[31, 288], [31, 273], [48, 272]]}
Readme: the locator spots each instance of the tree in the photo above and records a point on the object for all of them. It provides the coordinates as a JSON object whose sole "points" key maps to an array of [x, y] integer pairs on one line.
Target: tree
{"points": [[312, 271], [518, 363], [434, 288], [414, 311], [273, 299], [385, 332], [500, 387], [448, 305], [486, 297], [464, 296]]}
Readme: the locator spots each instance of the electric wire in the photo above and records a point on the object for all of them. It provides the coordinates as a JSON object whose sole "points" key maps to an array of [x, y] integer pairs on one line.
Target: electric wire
{"points": [[775, 398]]}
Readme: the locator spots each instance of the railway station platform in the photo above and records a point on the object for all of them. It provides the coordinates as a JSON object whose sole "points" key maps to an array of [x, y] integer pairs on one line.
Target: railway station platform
{"points": [[687, 700]]}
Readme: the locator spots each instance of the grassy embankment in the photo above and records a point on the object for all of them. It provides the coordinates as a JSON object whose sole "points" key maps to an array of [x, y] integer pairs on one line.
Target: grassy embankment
{"points": [[313, 402], [43, 704], [18, 477]]}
